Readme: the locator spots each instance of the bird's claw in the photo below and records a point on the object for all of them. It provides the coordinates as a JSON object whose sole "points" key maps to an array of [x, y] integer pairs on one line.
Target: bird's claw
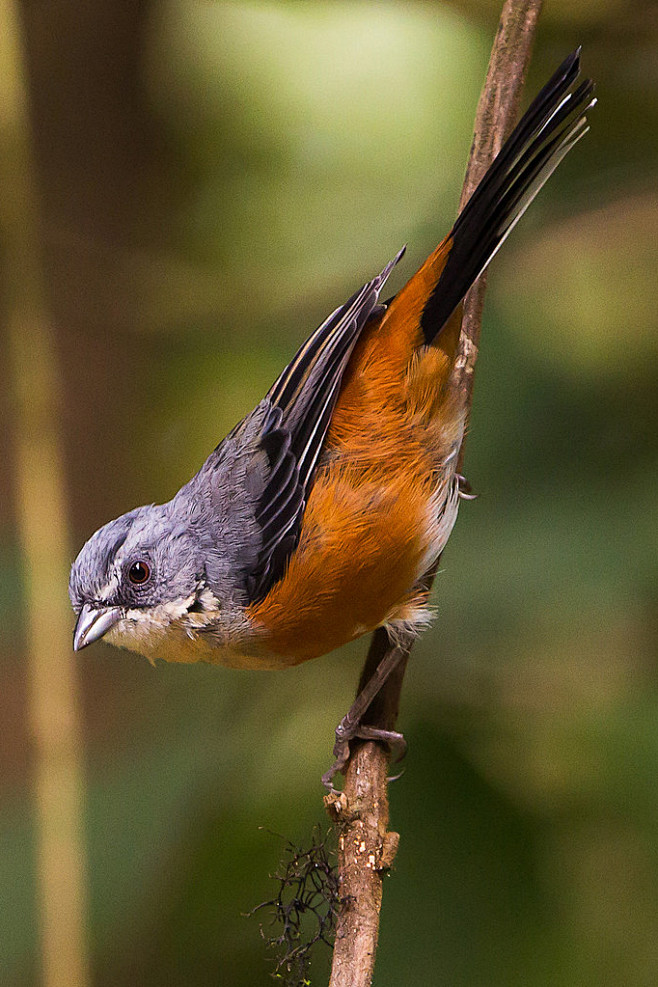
{"points": [[342, 755], [344, 735], [464, 489], [393, 738]]}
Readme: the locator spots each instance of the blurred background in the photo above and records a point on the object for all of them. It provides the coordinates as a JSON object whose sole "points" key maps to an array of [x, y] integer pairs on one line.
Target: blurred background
{"points": [[188, 189]]}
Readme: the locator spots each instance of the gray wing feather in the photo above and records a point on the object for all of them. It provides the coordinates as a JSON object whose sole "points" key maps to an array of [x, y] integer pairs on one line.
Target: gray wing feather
{"points": [[252, 490], [302, 401]]}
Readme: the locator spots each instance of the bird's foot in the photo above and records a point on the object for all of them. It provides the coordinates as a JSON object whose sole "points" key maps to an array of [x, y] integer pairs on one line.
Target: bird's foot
{"points": [[348, 731]]}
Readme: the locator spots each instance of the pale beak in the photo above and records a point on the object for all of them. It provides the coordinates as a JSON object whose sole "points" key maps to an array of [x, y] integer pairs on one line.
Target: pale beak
{"points": [[93, 623]]}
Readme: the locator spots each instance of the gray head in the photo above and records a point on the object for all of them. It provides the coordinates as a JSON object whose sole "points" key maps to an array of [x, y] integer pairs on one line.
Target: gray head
{"points": [[145, 564]]}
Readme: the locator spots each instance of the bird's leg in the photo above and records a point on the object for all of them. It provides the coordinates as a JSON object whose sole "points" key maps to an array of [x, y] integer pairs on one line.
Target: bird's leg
{"points": [[350, 727]]}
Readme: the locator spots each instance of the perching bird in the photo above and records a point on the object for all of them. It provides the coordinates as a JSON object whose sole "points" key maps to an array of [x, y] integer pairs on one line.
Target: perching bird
{"points": [[316, 518]]}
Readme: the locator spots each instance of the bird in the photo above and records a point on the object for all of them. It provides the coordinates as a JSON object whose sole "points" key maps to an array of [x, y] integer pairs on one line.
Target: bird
{"points": [[315, 520]]}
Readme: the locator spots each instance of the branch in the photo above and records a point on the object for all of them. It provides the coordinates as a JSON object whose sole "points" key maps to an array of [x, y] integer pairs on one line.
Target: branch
{"points": [[360, 813]]}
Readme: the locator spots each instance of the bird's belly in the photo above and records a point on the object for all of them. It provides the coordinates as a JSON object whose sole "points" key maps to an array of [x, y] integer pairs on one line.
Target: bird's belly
{"points": [[363, 548]]}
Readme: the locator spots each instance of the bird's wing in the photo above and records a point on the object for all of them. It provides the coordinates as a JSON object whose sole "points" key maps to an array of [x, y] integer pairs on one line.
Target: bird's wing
{"points": [[247, 501], [299, 406]]}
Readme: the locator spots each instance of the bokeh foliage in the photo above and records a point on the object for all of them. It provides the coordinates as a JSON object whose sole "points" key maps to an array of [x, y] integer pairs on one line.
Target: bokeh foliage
{"points": [[215, 178]]}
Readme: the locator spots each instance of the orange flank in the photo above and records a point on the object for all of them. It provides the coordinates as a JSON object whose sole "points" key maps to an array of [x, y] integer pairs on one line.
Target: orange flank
{"points": [[358, 556], [369, 517]]}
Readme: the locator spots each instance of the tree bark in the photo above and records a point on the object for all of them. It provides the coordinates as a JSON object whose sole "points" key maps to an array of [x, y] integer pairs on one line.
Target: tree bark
{"points": [[361, 812]]}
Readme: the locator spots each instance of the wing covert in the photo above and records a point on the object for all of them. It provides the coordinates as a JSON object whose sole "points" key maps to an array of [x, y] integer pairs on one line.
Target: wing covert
{"points": [[299, 408]]}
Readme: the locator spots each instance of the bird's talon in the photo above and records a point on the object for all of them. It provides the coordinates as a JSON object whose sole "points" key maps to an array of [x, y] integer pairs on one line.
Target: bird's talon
{"points": [[342, 755], [464, 489], [393, 739], [328, 777], [401, 752]]}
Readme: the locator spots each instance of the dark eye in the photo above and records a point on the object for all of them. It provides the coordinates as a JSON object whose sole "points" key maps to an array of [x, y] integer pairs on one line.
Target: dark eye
{"points": [[139, 572]]}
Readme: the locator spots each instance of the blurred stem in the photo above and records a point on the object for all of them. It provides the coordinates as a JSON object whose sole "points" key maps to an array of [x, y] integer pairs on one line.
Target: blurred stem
{"points": [[41, 515], [360, 812]]}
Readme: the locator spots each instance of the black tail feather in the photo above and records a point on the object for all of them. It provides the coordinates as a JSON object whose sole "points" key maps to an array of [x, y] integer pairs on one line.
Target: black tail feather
{"points": [[550, 127]]}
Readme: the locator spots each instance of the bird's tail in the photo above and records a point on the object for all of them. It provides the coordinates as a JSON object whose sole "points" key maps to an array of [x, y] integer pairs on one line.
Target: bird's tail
{"points": [[553, 123]]}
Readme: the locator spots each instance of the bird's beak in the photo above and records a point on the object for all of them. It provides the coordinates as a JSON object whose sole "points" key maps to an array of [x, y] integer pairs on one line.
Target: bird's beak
{"points": [[93, 623]]}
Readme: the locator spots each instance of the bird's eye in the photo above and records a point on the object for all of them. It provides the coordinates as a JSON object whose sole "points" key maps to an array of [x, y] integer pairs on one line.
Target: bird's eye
{"points": [[139, 572]]}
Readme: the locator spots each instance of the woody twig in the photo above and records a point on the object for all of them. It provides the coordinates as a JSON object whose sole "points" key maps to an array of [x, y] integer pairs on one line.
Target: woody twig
{"points": [[361, 812]]}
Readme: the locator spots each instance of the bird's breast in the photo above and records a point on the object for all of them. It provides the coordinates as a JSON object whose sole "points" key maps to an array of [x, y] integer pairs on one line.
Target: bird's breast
{"points": [[361, 552]]}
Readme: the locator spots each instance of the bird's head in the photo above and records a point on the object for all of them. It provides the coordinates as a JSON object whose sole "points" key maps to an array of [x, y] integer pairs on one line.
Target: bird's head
{"points": [[134, 577]]}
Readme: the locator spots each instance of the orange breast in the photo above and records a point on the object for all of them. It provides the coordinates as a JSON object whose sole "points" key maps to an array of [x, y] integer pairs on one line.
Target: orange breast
{"points": [[358, 555]]}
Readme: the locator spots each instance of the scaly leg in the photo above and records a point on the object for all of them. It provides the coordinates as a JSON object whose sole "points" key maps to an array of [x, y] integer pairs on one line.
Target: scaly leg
{"points": [[350, 727]]}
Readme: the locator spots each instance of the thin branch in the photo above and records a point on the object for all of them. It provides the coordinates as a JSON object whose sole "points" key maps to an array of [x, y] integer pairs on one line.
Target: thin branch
{"points": [[361, 812]]}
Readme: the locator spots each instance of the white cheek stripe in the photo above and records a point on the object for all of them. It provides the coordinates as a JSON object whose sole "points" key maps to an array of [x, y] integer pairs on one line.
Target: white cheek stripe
{"points": [[109, 590], [162, 614]]}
